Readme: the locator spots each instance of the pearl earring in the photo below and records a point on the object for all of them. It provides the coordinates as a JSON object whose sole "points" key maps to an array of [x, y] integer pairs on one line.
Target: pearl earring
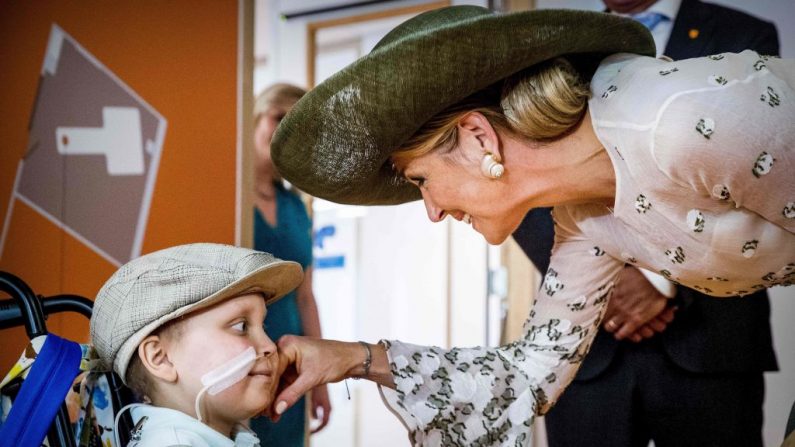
{"points": [[490, 167]]}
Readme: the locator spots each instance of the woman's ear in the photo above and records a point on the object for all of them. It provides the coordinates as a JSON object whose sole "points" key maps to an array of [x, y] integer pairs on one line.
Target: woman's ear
{"points": [[154, 356], [476, 128]]}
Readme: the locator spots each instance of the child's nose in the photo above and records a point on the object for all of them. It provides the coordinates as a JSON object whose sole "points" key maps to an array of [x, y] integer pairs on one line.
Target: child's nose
{"points": [[265, 345]]}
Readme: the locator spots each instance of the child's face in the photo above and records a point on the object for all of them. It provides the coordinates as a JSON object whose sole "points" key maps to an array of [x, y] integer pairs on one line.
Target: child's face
{"points": [[211, 337]]}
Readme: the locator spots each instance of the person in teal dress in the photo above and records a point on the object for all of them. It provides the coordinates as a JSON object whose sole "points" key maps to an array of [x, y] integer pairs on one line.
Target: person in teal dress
{"points": [[282, 227]]}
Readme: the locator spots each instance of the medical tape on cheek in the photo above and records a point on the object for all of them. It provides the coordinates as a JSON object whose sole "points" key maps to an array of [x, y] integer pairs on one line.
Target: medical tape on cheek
{"points": [[230, 372], [226, 375]]}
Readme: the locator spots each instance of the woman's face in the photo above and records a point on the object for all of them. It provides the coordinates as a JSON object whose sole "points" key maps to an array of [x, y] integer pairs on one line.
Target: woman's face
{"points": [[263, 133], [451, 183]]}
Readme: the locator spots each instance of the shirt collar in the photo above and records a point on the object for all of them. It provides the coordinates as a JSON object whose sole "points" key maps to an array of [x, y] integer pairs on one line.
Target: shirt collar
{"points": [[668, 8], [160, 417]]}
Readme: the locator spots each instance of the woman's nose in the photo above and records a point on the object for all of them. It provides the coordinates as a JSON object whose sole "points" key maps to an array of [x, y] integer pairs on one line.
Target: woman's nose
{"points": [[435, 214]]}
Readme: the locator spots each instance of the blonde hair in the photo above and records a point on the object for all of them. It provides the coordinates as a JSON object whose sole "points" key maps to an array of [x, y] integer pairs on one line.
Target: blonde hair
{"points": [[540, 104], [282, 96], [544, 103]]}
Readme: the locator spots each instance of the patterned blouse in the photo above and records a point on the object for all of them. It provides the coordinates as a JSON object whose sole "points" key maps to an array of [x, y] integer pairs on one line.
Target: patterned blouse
{"points": [[705, 195]]}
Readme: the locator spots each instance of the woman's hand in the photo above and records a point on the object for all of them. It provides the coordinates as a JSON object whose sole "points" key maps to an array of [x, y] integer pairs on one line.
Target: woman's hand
{"points": [[320, 407], [310, 362]]}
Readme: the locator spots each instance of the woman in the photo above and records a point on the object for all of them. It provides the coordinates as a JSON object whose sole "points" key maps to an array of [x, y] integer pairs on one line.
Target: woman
{"points": [[282, 227], [681, 168]]}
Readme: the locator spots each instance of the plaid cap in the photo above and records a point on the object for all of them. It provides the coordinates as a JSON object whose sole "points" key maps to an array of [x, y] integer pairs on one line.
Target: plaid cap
{"points": [[156, 288]]}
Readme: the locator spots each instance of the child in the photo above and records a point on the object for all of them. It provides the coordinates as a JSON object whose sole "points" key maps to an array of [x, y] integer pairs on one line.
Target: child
{"points": [[183, 327]]}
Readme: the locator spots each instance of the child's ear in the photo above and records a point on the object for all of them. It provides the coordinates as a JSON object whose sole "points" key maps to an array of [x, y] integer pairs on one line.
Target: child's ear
{"points": [[154, 357]]}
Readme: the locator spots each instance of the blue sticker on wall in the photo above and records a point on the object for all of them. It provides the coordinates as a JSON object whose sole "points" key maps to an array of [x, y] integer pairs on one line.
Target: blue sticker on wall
{"points": [[330, 262], [322, 233]]}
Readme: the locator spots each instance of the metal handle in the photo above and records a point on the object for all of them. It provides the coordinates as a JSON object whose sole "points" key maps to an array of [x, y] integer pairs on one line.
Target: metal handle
{"points": [[29, 305], [26, 308], [11, 314]]}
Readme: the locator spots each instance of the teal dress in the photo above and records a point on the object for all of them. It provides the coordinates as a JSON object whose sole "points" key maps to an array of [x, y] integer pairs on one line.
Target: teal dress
{"points": [[290, 239]]}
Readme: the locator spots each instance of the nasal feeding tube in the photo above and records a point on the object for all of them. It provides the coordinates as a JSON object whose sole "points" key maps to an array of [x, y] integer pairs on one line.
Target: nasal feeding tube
{"points": [[226, 375]]}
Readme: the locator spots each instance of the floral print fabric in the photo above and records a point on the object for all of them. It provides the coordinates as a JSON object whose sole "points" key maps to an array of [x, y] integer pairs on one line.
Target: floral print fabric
{"points": [[490, 396], [705, 196]]}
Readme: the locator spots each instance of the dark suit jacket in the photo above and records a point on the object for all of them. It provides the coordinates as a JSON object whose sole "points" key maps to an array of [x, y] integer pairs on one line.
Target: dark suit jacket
{"points": [[719, 30], [708, 335]]}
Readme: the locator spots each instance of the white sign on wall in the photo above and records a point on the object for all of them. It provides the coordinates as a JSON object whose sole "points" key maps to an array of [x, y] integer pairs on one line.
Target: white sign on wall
{"points": [[93, 151]]}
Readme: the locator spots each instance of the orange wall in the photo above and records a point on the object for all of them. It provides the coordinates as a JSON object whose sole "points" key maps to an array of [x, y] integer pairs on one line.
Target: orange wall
{"points": [[180, 56]]}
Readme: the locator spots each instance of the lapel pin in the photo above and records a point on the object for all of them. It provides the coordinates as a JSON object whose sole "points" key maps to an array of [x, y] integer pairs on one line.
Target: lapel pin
{"points": [[693, 33]]}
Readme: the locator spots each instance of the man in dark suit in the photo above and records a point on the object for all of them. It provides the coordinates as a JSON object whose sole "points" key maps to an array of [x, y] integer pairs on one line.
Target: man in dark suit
{"points": [[699, 381]]}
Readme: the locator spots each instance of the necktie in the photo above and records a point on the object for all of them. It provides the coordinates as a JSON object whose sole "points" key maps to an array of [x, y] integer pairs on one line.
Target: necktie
{"points": [[649, 19]]}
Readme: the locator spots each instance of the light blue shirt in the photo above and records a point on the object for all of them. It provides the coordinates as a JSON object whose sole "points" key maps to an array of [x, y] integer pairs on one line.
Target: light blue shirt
{"points": [[166, 427], [662, 32]]}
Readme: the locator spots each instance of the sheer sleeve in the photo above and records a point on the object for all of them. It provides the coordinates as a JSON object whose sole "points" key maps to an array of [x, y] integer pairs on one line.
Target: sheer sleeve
{"points": [[489, 396]]}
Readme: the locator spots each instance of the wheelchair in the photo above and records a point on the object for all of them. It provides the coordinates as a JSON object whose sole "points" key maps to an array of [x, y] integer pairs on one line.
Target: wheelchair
{"points": [[26, 308]]}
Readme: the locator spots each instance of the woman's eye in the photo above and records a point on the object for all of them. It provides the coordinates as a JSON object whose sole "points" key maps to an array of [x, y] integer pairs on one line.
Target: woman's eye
{"points": [[240, 326], [419, 181]]}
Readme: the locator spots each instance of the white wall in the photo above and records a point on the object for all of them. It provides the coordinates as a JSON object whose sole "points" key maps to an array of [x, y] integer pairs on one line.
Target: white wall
{"points": [[399, 273], [392, 286]]}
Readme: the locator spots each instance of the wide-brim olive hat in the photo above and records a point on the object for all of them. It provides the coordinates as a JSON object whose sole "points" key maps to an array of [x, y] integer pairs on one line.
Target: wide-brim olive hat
{"points": [[152, 290], [336, 142]]}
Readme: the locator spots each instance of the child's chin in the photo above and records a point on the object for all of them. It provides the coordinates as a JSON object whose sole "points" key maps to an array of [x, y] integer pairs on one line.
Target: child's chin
{"points": [[260, 411], [261, 405], [248, 406]]}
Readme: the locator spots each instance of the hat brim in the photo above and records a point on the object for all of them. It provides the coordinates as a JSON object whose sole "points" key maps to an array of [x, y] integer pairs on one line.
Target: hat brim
{"points": [[337, 140], [274, 281]]}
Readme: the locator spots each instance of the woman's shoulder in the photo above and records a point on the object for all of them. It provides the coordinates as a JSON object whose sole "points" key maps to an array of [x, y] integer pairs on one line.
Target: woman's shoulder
{"points": [[631, 90], [621, 90], [736, 116]]}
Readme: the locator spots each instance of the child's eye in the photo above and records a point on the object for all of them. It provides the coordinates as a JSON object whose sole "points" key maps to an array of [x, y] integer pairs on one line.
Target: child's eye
{"points": [[240, 326]]}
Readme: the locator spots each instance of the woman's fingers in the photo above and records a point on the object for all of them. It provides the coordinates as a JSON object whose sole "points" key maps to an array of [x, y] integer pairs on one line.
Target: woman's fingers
{"points": [[646, 332], [629, 328], [657, 324], [612, 325], [290, 356], [635, 330], [290, 395], [667, 314]]}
